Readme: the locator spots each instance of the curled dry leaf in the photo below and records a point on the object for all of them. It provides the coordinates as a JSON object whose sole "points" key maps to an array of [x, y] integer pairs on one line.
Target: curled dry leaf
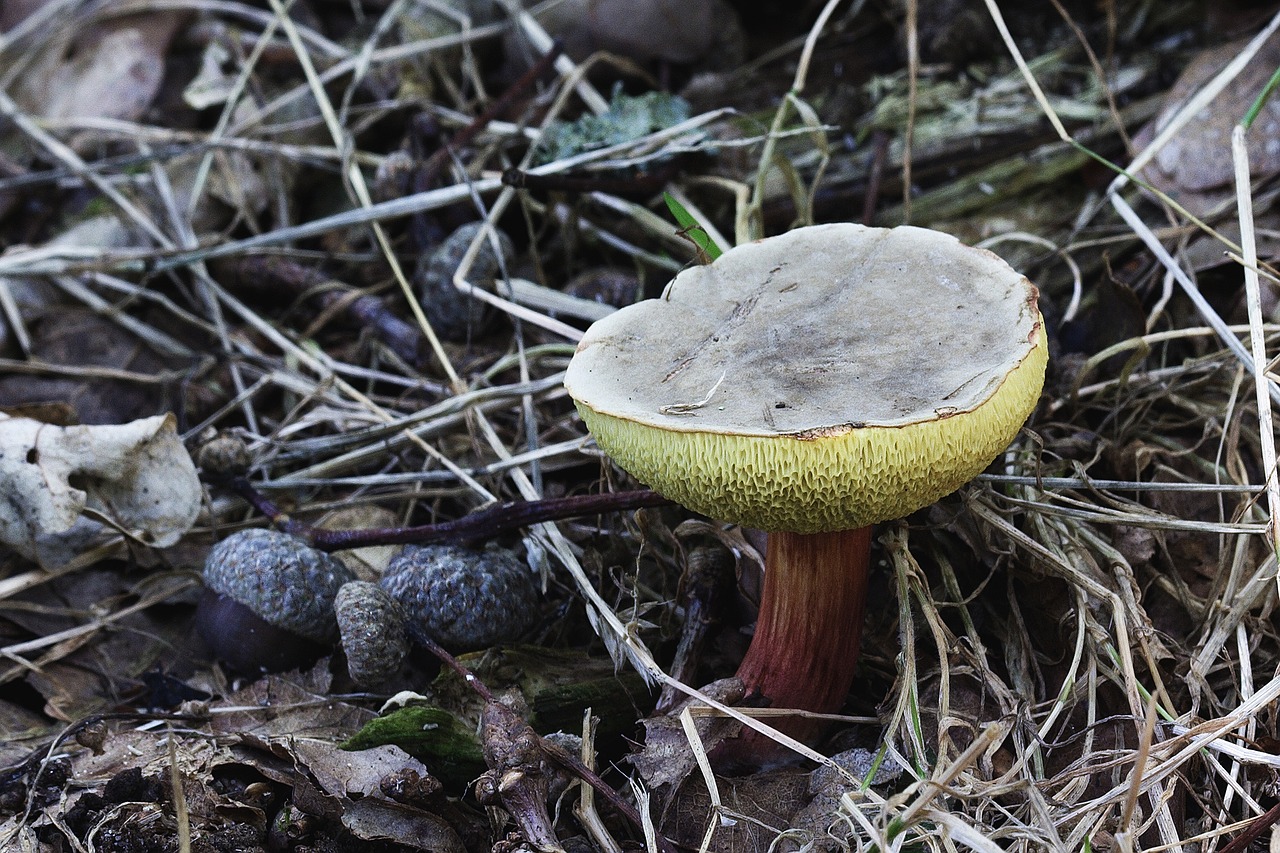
{"points": [[376, 819], [138, 475]]}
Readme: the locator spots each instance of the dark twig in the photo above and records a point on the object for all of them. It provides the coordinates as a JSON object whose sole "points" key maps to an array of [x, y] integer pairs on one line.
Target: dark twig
{"points": [[875, 176], [267, 274], [520, 744], [436, 162], [1253, 831], [707, 580], [586, 182], [482, 524]]}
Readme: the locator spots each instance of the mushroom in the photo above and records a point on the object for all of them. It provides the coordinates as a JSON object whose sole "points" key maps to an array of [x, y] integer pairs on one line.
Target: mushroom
{"points": [[813, 384]]}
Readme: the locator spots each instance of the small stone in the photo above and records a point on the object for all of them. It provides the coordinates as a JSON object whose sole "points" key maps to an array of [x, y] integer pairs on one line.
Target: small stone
{"points": [[373, 632], [288, 583], [605, 285], [463, 598]]}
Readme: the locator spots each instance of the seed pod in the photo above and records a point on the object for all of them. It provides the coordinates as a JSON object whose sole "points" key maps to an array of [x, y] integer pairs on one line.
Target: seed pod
{"points": [[373, 632], [463, 598], [268, 602]]}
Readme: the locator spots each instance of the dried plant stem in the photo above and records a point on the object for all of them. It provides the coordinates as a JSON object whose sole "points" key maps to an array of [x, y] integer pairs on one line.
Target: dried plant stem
{"points": [[797, 86], [358, 186], [436, 162], [271, 271], [1257, 339], [998, 19], [913, 81], [1254, 831], [1199, 102]]}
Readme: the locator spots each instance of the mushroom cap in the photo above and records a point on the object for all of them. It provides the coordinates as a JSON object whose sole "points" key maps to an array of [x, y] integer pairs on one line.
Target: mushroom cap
{"points": [[824, 379]]}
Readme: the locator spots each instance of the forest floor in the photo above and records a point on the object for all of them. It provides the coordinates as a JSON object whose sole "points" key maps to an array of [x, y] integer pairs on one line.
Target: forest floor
{"points": [[336, 256]]}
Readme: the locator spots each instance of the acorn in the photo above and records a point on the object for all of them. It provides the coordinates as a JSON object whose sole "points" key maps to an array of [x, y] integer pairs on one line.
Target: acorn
{"points": [[454, 314], [372, 628], [463, 598], [222, 455], [268, 601]]}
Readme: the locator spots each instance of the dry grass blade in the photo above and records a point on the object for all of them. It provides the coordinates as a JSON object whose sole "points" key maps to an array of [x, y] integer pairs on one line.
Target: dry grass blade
{"points": [[1253, 299]]}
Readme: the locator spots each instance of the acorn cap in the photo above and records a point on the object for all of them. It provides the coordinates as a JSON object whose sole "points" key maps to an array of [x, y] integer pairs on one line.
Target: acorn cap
{"points": [[463, 598], [373, 633], [824, 379], [288, 583]]}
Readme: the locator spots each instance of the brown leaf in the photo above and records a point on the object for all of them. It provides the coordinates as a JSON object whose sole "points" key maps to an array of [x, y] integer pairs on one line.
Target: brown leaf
{"points": [[767, 802], [289, 706], [112, 69], [667, 759], [353, 774], [83, 340], [373, 819], [1195, 167]]}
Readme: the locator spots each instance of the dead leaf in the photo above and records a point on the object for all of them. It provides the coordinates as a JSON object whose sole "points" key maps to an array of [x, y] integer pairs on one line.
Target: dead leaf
{"points": [[23, 729], [819, 821], [1195, 167], [287, 706], [81, 340], [111, 635], [667, 758], [373, 819], [109, 69], [136, 475], [369, 563], [344, 774], [758, 808]]}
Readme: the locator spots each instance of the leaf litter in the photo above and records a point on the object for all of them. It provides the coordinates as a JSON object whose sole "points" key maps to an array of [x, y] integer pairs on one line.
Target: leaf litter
{"points": [[1076, 650]]}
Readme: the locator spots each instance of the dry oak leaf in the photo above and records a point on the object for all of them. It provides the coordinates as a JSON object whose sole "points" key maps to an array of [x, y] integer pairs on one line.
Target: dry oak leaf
{"points": [[136, 476], [1195, 167]]}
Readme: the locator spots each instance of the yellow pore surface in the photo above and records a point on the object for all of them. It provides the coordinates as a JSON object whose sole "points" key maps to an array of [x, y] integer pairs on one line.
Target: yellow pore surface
{"points": [[863, 476]]}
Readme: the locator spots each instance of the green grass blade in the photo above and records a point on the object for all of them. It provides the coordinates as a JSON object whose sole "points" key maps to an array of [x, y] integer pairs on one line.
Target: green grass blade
{"points": [[691, 229]]}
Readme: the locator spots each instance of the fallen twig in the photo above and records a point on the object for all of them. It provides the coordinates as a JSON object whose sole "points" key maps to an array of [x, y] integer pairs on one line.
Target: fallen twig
{"points": [[481, 524]]}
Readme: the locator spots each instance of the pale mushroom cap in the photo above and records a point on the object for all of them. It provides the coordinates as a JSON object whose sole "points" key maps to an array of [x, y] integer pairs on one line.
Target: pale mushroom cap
{"points": [[827, 378]]}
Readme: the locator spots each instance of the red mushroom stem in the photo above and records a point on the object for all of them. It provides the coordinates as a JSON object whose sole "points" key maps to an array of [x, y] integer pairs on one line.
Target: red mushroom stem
{"points": [[805, 648]]}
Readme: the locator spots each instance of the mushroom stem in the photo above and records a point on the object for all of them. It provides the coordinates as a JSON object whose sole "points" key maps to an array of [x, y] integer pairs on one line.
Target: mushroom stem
{"points": [[805, 648]]}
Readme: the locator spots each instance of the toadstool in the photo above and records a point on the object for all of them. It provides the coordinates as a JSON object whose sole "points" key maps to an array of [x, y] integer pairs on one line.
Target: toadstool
{"points": [[813, 384]]}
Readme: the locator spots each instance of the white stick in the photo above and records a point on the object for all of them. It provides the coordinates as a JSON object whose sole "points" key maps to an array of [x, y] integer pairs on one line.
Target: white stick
{"points": [[1253, 297]]}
